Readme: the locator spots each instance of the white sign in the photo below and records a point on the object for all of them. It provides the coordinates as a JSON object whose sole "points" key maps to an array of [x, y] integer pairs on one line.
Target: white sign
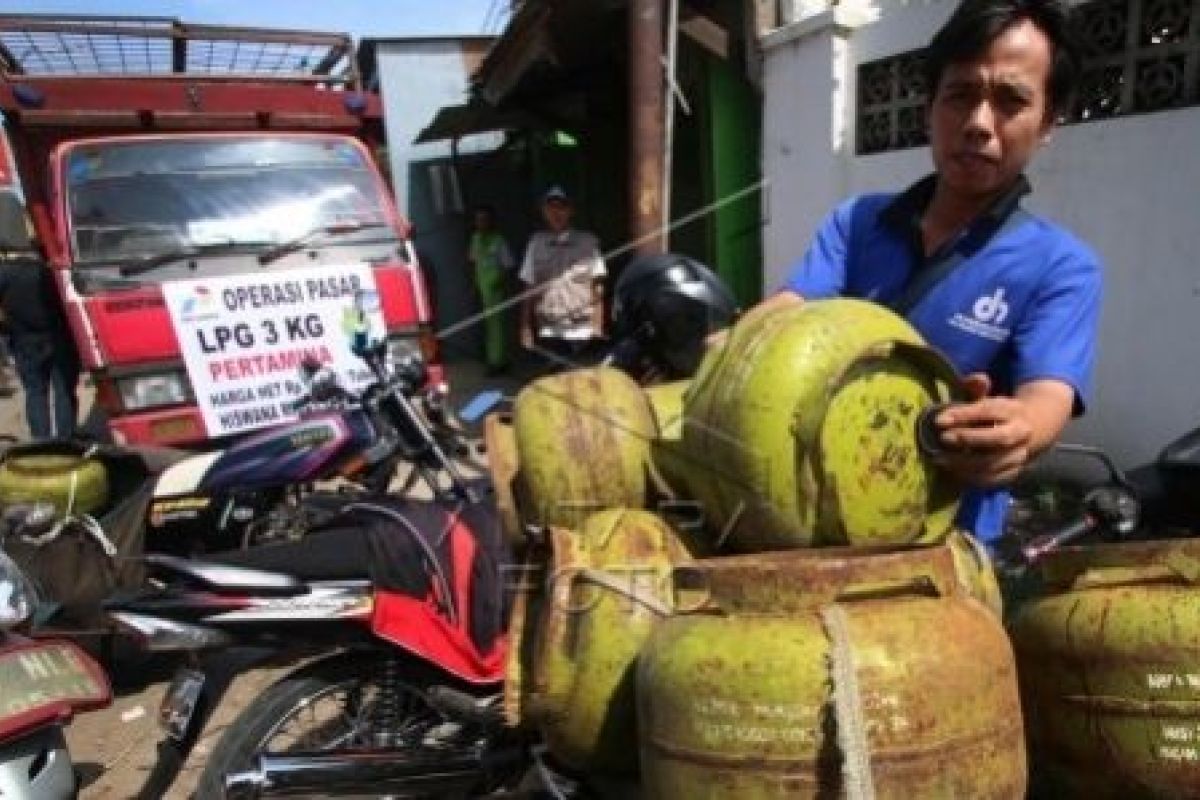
{"points": [[243, 338]]}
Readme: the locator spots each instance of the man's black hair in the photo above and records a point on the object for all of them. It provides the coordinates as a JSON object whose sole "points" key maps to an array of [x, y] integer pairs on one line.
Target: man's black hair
{"points": [[975, 24]]}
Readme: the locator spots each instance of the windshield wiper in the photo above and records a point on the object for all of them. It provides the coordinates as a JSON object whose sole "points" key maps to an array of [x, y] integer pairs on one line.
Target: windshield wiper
{"points": [[282, 249], [151, 263]]}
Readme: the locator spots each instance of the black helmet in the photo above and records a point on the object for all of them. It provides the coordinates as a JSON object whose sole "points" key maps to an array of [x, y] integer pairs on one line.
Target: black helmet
{"points": [[665, 306]]}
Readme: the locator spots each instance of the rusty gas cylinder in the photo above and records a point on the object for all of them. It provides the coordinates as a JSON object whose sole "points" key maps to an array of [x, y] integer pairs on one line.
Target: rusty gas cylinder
{"points": [[667, 466], [859, 672], [1109, 659], [583, 441], [500, 443], [801, 430], [608, 586]]}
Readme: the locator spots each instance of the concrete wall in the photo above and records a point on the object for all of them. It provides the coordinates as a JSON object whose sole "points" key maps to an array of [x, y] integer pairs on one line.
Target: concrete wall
{"points": [[1126, 186], [416, 79]]}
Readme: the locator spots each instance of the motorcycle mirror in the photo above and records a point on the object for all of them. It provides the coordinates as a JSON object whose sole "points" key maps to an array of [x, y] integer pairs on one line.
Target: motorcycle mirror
{"points": [[1115, 473]]}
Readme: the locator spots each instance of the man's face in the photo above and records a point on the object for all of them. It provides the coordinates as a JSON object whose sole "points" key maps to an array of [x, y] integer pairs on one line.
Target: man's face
{"points": [[988, 117], [557, 215]]}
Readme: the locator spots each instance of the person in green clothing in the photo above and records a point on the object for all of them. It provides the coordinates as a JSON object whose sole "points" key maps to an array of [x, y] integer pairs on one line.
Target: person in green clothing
{"points": [[491, 260]]}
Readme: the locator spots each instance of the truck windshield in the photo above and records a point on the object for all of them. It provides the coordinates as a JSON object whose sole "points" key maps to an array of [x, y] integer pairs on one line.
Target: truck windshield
{"points": [[141, 199]]}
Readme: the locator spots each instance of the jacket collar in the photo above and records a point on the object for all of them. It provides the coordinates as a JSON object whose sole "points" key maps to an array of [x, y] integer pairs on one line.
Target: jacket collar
{"points": [[903, 212]]}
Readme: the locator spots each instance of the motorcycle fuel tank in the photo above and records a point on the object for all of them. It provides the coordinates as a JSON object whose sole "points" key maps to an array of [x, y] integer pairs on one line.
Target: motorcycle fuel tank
{"points": [[303, 451]]}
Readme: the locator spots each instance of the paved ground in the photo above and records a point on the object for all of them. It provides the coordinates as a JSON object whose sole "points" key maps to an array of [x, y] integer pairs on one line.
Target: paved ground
{"points": [[116, 748]]}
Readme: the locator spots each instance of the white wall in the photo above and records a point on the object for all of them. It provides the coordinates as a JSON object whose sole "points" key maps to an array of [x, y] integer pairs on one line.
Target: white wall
{"points": [[1129, 187], [416, 80], [801, 157]]}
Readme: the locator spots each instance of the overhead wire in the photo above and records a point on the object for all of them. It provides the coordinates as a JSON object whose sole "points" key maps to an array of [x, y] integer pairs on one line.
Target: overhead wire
{"points": [[494, 17]]}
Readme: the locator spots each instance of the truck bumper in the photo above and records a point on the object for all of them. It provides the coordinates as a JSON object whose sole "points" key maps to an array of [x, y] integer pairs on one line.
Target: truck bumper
{"points": [[173, 426]]}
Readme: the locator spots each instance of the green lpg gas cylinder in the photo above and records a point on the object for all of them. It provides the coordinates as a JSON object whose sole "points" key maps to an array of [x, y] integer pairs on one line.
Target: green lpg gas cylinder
{"points": [[48, 473], [852, 672], [1109, 659], [583, 441], [666, 459], [975, 570], [500, 444], [800, 430], [607, 588], [666, 402]]}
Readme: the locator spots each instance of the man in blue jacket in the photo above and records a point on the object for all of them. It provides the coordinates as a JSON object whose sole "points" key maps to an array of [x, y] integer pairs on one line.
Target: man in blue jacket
{"points": [[1011, 299]]}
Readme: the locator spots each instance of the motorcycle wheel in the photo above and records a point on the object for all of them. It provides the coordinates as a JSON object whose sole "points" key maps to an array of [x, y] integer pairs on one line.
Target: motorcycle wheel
{"points": [[333, 703]]}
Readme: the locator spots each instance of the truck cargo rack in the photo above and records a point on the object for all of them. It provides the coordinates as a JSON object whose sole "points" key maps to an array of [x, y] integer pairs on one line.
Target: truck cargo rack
{"points": [[87, 46]]}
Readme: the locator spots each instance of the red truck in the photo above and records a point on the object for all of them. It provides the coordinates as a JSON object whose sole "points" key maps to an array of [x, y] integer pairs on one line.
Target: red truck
{"points": [[209, 201]]}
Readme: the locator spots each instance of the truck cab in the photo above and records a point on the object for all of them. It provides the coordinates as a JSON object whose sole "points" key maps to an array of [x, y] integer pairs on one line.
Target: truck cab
{"points": [[209, 201]]}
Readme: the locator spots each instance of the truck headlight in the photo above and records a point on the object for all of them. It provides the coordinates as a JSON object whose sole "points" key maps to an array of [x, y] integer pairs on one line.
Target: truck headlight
{"points": [[148, 391]]}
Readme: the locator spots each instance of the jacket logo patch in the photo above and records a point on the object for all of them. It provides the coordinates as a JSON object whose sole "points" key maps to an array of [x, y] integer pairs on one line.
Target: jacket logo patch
{"points": [[988, 315], [991, 310]]}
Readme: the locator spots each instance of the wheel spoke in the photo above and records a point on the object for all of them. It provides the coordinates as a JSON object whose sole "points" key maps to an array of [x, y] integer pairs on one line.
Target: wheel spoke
{"points": [[342, 715]]}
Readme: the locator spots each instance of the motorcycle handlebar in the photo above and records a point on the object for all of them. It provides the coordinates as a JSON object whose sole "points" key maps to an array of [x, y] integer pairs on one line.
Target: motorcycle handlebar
{"points": [[298, 405], [337, 395]]}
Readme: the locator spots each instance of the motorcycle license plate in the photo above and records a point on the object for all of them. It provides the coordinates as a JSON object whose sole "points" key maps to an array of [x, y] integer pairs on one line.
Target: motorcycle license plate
{"points": [[41, 680], [179, 703]]}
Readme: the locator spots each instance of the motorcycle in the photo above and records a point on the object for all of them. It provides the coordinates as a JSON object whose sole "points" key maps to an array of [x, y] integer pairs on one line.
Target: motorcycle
{"points": [[261, 489], [44, 683], [404, 693], [401, 600]]}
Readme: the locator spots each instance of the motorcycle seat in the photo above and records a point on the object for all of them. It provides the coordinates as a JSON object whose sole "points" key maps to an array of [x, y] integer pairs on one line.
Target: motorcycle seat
{"points": [[226, 578]]}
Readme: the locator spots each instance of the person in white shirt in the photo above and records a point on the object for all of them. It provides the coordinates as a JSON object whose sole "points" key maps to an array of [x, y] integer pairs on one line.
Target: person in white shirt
{"points": [[563, 311]]}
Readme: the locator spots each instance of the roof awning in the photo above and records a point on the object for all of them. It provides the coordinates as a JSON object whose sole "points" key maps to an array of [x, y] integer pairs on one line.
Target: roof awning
{"points": [[524, 42], [476, 116], [570, 36]]}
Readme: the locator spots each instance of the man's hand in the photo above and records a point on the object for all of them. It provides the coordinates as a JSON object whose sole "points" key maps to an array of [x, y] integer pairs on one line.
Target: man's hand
{"points": [[526, 337], [989, 440]]}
